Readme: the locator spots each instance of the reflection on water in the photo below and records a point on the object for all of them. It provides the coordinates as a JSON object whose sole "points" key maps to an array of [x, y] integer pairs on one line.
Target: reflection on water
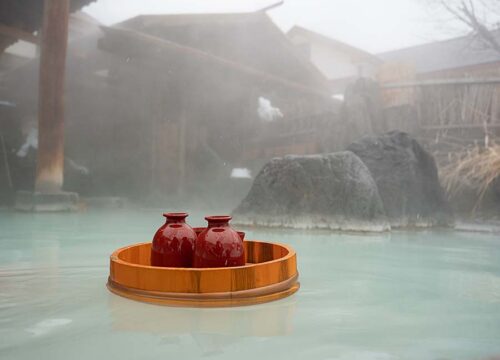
{"points": [[211, 329], [271, 319], [411, 295]]}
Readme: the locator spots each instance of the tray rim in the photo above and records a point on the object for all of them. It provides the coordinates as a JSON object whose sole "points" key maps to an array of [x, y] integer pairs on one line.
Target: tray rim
{"points": [[114, 257], [207, 302]]}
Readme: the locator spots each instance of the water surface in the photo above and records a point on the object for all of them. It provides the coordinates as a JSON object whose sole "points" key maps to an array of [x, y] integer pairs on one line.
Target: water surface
{"points": [[404, 295]]}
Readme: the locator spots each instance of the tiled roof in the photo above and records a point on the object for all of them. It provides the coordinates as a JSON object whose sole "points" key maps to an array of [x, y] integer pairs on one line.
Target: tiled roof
{"points": [[455, 53]]}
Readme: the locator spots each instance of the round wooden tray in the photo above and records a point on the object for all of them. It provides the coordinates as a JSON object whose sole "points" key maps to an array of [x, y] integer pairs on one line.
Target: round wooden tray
{"points": [[270, 274]]}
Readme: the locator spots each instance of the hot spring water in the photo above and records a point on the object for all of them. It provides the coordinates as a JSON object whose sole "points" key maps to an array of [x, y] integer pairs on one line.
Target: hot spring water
{"points": [[409, 295]]}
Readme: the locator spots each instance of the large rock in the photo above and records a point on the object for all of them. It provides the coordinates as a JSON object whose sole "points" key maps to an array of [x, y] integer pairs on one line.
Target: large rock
{"points": [[407, 179], [331, 191]]}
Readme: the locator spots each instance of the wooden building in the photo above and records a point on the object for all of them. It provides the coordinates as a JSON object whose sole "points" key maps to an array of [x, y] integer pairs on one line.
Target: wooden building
{"points": [[455, 79], [166, 105]]}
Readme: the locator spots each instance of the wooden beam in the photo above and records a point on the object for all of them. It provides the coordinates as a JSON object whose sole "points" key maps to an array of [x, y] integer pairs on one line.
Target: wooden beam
{"points": [[50, 157], [18, 34]]}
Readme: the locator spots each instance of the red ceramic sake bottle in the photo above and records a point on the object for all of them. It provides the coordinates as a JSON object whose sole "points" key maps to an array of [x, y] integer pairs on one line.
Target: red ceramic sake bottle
{"points": [[199, 230], [218, 245], [173, 243]]}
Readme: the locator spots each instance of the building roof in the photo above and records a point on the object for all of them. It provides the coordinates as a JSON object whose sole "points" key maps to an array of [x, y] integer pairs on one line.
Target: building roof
{"points": [[249, 39], [339, 45], [19, 80], [26, 16], [449, 54], [81, 24]]}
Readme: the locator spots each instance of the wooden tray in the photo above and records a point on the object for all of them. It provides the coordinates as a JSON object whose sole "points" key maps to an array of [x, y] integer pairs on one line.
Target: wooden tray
{"points": [[270, 274]]}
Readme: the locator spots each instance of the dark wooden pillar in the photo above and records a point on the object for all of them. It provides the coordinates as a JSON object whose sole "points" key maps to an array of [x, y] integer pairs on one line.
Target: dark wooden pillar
{"points": [[54, 38]]}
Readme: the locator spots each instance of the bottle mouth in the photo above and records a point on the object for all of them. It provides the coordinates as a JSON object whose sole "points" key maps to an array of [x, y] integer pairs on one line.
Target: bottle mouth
{"points": [[176, 215], [218, 218]]}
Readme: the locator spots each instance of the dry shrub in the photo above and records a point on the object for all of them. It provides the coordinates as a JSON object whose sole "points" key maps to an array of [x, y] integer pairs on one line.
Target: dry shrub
{"points": [[473, 168]]}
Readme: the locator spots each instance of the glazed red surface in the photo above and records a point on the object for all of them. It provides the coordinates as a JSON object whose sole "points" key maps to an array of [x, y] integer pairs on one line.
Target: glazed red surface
{"points": [[199, 230], [219, 245], [173, 243]]}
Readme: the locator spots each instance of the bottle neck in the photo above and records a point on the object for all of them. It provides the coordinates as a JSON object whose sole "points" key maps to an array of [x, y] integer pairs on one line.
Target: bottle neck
{"points": [[218, 221], [212, 224], [175, 218]]}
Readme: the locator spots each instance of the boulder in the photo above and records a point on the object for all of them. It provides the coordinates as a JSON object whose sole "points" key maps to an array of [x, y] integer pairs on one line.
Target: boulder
{"points": [[330, 191], [407, 179]]}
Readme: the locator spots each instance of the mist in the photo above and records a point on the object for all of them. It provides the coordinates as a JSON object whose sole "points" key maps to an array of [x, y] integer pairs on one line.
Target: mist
{"points": [[183, 103], [250, 179]]}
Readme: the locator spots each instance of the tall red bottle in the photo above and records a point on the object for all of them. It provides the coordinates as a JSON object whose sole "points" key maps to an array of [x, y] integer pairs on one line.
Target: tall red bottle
{"points": [[173, 243], [219, 245]]}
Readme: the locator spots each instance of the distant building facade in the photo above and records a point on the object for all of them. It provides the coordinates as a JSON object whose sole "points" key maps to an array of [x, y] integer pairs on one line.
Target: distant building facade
{"points": [[339, 62], [465, 56], [451, 89], [460, 58]]}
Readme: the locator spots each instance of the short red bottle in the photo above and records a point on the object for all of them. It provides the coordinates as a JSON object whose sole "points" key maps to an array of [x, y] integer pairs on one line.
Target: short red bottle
{"points": [[219, 245], [173, 243]]}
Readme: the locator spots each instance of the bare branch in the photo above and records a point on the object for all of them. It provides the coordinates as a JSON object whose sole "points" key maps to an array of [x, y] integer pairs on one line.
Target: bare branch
{"points": [[466, 11], [480, 29]]}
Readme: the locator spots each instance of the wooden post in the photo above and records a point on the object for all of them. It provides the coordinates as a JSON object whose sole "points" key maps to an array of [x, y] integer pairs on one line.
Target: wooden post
{"points": [[50, 160]]}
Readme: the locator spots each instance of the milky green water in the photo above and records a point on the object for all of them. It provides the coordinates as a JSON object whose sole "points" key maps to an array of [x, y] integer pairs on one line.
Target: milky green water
{"points": [[405, 295]]}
